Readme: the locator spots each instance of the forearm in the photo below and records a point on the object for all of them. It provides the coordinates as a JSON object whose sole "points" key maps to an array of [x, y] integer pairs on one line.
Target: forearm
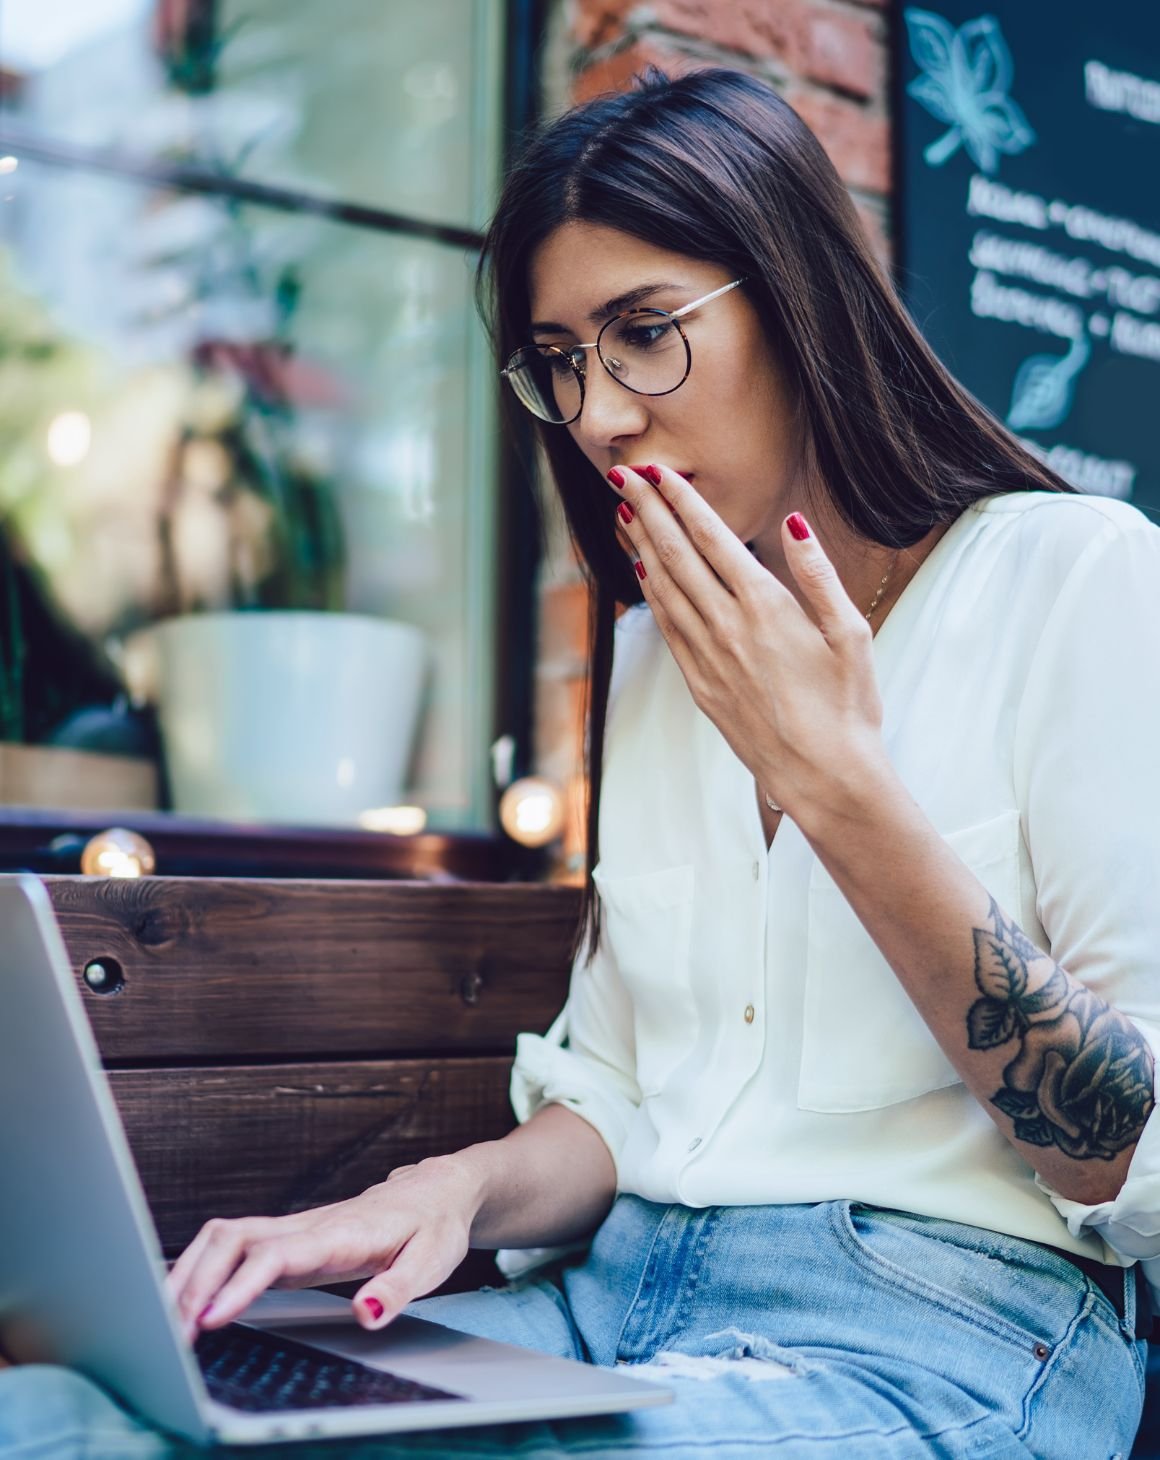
{"points": [[549, 1181], [1066, 1077]]}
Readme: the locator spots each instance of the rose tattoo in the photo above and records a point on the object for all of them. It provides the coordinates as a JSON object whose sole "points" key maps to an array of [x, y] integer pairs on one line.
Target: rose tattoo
{"points": [[1082, 1078]]}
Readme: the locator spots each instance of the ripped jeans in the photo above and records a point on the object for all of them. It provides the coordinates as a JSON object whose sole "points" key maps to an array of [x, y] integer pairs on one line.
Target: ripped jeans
{"points": [[830, 1332]]}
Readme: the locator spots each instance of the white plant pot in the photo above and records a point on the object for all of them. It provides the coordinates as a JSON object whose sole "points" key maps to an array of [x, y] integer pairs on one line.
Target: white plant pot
{"points": [[297, 717]]}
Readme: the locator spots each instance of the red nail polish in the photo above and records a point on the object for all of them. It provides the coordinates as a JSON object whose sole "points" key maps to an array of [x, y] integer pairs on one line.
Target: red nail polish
{"points": [[638, 566], [616, 477], [651, 474], [625, 513], [373, 1307], [797, 526]]}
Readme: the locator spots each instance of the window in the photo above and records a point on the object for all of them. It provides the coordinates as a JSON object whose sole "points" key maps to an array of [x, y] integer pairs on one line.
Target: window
{"points": [[240, 365]]}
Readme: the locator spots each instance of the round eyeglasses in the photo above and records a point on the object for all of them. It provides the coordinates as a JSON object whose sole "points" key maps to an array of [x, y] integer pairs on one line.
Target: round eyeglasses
{"points": [[645, 350]]}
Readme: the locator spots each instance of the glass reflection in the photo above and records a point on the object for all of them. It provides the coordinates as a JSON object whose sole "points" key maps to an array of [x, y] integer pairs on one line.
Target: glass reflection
{"points": [[391, 105], [208, 405]]}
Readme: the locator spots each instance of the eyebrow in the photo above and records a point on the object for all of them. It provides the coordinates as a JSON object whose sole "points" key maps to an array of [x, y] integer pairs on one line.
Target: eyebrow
{"points": [[628, 300]]}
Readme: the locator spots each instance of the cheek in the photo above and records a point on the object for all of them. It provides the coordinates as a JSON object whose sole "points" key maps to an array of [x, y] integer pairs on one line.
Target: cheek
{"points": [[578, 442]]}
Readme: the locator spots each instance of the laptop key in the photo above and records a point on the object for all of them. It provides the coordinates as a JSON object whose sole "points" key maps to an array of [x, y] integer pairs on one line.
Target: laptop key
{"points": [[261, 1373]]}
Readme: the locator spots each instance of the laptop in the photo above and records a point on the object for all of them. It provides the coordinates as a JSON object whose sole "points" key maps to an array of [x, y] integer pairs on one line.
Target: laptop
{"points": [[82, 1271]]}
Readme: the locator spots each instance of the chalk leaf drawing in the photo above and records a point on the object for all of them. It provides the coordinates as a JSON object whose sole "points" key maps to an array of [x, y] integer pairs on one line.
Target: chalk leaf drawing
{"points": [[1045, 387], [965, 76]]}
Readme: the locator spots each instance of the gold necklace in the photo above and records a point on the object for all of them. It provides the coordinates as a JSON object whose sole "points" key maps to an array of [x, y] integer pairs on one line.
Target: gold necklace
{"points": [[875, 601]]}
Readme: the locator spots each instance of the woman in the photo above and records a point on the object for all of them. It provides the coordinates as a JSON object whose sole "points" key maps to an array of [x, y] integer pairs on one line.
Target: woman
{"points": [[855, 1081]]}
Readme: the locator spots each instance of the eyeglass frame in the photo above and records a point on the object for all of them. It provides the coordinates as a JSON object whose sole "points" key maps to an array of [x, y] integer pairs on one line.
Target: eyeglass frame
{"points": [[579, 368]]}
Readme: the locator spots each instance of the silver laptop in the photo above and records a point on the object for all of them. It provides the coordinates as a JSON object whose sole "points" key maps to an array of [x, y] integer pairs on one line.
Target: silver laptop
{"points": [[82, 1272]]}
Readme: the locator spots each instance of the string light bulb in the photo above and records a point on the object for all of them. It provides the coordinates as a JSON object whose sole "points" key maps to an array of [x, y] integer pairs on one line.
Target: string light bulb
{"points": [[118, 852], [69, 437], [398, 820], [531, 811]]}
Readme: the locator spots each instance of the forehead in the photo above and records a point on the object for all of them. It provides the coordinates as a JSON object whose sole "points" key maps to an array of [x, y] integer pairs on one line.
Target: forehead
{"points": [[581, 265]]}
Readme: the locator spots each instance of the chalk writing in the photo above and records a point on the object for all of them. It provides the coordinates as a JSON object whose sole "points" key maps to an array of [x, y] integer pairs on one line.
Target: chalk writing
{"points": [[1120, 91], [1086, 470]]}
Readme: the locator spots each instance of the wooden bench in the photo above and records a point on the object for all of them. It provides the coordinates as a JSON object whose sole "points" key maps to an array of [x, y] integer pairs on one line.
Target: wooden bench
{"points": [[274, 1045]]}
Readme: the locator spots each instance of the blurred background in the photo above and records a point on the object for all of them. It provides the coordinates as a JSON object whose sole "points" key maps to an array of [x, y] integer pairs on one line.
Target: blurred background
{"points": [[266, 558]]}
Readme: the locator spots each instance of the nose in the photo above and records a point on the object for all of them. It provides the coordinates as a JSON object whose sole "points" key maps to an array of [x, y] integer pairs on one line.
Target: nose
{"points": [[611, 413]]}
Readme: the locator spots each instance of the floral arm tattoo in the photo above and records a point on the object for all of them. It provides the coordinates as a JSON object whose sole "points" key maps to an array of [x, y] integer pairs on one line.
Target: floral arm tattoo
{"points": [[1082, 1077]]}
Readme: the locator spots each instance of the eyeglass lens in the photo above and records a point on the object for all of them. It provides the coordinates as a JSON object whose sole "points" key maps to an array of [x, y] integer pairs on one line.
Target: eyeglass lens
{"points": [[645, 351]]}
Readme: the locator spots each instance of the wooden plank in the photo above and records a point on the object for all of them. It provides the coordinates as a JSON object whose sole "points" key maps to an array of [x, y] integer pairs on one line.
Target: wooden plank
{"points": [[282, 1138], [234, 969]]}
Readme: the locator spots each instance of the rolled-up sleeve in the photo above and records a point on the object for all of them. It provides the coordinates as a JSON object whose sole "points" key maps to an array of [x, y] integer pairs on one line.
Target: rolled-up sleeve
{"points": [[586, 1061], [1087, 777]]}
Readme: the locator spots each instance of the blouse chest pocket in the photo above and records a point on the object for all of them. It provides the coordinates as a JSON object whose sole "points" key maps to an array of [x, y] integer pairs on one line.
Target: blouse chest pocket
{"points": [[647, 921], [864, 1044]]}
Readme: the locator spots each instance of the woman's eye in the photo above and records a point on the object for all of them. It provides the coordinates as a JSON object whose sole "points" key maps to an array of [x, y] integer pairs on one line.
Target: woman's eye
{"points": [[643, 336]]}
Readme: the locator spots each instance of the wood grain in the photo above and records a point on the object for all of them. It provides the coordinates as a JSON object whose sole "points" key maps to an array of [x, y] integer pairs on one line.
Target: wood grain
{"points": [[235, 969], [282, 1138]]}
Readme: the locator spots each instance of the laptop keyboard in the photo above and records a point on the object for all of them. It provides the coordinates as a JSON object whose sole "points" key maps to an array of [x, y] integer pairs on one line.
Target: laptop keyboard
{"points": [[264, 1372]]}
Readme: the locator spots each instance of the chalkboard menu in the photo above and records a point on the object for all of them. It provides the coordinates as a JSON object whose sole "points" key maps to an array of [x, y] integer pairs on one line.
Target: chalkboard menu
{"points": [[1028, 221]]}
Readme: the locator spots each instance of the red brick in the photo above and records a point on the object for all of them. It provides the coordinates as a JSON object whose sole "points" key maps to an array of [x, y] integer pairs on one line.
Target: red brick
{"points": [[559, 728], [858, 141], [615, 72], [768, 29], [598, 22], [564, 626], [842, 51], [575, 835]]}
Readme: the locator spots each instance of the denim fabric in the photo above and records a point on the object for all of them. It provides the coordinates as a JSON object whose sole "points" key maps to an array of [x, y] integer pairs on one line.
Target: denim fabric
{"points": [[834, 1330]]}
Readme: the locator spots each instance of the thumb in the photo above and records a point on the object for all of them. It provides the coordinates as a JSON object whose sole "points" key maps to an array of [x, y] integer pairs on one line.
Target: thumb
{"points": [[415, 1271]]}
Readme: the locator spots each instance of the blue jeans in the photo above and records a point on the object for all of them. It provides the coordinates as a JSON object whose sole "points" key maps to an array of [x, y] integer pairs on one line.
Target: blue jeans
{"points": [[833, 1332]]}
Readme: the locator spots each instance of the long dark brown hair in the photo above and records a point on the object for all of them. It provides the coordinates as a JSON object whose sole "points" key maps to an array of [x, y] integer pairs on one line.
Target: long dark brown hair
{"points": [[716, 166]]}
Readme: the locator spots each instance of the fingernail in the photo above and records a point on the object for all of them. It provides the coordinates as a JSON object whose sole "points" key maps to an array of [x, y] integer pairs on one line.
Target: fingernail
{"points": [[798, 526], [205, 1312], [651, 474], [625, 513], [616, 477], [638, 567], [374, 1308]]}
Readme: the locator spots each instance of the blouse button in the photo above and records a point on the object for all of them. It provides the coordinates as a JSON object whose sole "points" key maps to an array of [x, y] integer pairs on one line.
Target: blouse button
{"points": [[694, 1143], [757, 871], [749, 1013]]}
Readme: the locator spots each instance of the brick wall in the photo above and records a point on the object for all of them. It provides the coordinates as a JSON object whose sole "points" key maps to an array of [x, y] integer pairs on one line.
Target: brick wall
{"points": [[828, 59]]}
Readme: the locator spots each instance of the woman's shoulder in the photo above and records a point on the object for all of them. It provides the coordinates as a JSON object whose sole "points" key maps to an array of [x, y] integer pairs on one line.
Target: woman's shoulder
{"points": [[1066, 517], [1046, 536]]}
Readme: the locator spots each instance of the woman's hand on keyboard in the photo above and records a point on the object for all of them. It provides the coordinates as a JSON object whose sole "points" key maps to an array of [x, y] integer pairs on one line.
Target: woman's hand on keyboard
{"points": [[405, 1235]]}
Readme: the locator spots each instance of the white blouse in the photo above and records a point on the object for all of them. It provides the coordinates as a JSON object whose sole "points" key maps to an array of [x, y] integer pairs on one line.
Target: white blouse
{"points": [[738, 1037]]}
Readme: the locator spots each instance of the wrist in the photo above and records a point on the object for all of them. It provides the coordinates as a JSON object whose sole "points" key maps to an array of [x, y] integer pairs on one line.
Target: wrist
{"points": [[854, 797], [471, 1171]]}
